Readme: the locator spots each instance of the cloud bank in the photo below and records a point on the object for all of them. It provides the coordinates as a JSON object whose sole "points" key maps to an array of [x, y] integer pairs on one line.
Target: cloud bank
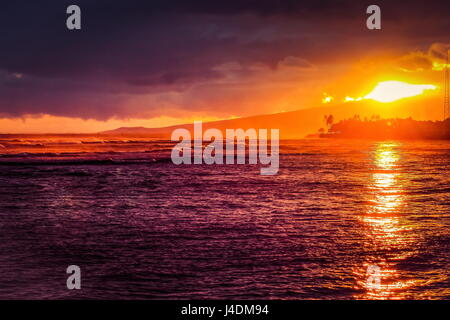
{"points": [[165, 58]]}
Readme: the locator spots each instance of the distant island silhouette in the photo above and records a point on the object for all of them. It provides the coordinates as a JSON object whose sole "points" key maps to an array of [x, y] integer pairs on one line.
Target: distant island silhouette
{"points": [[377, 128]]}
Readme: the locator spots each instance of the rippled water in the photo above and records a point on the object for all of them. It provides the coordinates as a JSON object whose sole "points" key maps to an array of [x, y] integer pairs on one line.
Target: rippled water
{"points": [[141, 227]]}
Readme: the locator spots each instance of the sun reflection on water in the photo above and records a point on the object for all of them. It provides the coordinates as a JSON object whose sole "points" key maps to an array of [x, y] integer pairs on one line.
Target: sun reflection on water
{"points": [[387, 235], [385, 156]]}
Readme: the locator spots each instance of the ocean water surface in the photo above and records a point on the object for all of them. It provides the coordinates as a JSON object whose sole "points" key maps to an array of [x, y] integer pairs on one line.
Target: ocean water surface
{"points": [[141, 227]]}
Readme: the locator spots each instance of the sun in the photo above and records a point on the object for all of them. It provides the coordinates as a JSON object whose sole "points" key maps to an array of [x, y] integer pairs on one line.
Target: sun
{"points": [[389, 91]]}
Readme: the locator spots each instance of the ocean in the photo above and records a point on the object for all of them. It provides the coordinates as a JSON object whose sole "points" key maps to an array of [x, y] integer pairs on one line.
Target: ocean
{"points": [[140, 227]]}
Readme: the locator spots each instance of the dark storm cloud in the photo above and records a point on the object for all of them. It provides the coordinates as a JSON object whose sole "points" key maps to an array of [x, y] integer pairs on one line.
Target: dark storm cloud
{"points": [[130, 48]]}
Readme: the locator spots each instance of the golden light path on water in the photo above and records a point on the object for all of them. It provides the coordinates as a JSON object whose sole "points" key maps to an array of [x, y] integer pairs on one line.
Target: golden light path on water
{"points": [[387, 235]]}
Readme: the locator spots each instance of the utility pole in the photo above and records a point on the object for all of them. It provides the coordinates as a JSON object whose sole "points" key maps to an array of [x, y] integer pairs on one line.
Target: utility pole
{"points": [[446, 92]]}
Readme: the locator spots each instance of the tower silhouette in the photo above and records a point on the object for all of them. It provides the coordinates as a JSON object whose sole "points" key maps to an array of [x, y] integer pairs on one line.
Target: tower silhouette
{"points": [[446, 92]]}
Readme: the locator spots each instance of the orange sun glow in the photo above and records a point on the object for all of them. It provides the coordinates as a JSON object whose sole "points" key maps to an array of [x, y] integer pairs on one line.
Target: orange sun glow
{"points": [[389, 91]]}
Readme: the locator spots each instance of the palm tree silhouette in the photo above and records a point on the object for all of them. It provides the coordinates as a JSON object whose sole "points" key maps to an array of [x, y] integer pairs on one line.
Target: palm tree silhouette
{"points": [[329, 120]]}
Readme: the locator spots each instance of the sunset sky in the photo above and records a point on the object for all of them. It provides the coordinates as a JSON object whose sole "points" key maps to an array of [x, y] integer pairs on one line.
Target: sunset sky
{"points": [[158, 63]]}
